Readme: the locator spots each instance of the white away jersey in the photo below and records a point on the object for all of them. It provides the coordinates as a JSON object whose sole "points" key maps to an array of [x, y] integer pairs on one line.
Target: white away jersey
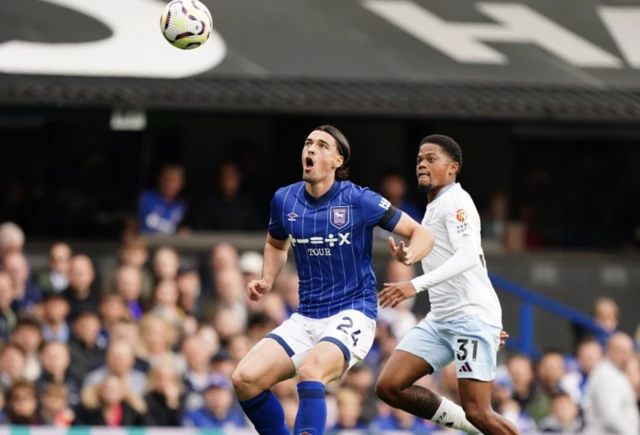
{"points": [[450, 216]]}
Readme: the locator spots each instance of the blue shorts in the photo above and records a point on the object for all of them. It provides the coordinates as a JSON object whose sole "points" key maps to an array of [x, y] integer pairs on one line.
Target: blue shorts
{"points": [[472, 343]]}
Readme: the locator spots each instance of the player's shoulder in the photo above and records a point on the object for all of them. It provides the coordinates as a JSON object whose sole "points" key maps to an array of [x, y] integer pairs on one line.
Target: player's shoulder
{"points": [[457, 198], [288, 190], [355, 193]]}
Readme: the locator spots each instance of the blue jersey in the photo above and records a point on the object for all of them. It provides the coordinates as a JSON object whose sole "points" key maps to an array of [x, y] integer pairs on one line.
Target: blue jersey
{"points": [[157, 216], [332, 241]]}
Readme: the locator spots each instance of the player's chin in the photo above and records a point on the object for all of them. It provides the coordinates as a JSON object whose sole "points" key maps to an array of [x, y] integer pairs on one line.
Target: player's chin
{"points": [[424, 187]]}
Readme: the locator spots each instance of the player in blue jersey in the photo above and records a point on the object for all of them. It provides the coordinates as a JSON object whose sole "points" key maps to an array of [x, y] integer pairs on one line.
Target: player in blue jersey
{"points": [[328, 222]]}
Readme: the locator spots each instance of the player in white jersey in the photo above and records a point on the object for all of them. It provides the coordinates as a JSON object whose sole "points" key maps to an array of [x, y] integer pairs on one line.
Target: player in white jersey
{"points": [[465, 322]]}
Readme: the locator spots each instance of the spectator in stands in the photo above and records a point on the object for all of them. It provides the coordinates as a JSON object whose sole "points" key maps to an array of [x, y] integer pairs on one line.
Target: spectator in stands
{"points": [[12, 363], [606, 314], [238, 347], [250, 264], [166, 264], [110, 403], [525, 393], [223, 256], [217, 411], [111, 309], [81, 294], [287, 286], [399, 420], [129, 286], [55, 406], [119, 362], [494, 225], [196, 375], [54, 278], [11, 240], [165, 302], [565, 416], [361, 379], [156, 339], [28, 337], [230, 291], [165, 399], [191, 299], [400, 318], [134, 252], [160, 211], [230, 209], [550, 372], [8, 318], [55, 360], [22, 404], [633, 372], [393, 186], [83, 347], [349, 411], [126, 330], [589, 355], [27, 295], [54, 315], [227, 324], [222, 363], [610, 406]]}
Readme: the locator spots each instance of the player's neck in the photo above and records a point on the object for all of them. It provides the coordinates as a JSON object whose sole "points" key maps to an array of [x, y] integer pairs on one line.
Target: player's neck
{"points": [[319, 188]]}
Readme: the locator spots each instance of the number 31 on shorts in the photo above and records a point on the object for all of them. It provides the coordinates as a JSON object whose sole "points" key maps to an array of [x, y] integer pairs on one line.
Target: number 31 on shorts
{"points": [[466, 347]]}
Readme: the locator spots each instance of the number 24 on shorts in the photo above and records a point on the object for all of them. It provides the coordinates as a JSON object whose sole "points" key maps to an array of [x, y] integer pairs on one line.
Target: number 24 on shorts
{"points": [[348, 324], [463, 353]]}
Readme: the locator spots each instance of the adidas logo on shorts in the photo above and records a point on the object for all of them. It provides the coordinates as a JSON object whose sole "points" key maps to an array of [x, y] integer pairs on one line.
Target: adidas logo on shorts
{"points": [[466, 368]]}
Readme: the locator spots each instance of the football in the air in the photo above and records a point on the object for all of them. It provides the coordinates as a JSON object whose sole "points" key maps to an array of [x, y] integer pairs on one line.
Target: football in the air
{"points": [[186, 24]]}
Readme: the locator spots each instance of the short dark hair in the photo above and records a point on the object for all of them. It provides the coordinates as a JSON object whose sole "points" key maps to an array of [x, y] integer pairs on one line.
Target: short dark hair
{"points": [[448, 145], [342, 173]]}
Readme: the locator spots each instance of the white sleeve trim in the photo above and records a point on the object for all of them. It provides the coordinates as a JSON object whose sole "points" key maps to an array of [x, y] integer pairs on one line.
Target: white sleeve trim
{"points": [[464, 258]]}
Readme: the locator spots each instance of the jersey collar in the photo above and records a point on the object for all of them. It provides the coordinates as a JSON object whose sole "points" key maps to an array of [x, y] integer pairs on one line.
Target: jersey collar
{"points": [[444, 189], [324, 199]]}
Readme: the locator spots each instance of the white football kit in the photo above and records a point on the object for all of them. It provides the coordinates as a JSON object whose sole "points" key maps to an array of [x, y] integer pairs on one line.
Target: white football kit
{"points": [[465, 318]]}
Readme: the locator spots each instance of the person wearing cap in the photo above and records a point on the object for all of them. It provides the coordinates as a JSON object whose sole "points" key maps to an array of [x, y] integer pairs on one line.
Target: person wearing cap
{"points": [[217, 412]]}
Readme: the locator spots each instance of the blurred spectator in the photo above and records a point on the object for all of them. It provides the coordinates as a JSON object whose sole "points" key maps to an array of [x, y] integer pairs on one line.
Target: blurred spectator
{"points": [[129, 286], [227, 324], [222, 363], [611, 404], [55, 406], [361, 379], [54, 314], [126, 330], [231, 293], [111, 404], [12, 363], [349, 411], [565, 416], [55, 277], [191, 299], [250, 264], [196, 376], [81, 293], [495, 223], [589, 355], [550, 372], [287, 286], [165, 302], [230, 209], [606, 314], [11, 240], [55, 360], [223, 256], [26, 294], [159, 210], [393, 186], [134, 252], [119, 362], [112, 308], [217, 411], [83, 348], [8, 318], [165, 398], [22, 404], [156, 339], [28, 337], [239, 346], [399, 420], [166, 264], [525, 393], [633, 372]]}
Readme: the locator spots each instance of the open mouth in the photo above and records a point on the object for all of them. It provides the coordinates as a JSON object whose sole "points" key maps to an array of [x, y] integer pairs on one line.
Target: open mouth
{"points": [[424, 176], [308, 163]]}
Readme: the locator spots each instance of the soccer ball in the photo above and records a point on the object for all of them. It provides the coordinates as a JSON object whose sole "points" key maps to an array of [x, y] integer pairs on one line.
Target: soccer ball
{"points": [[186, 24]]}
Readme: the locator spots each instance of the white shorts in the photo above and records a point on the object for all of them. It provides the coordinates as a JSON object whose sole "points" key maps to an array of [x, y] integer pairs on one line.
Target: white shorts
{"points": [[469, 341], [350, 330]]}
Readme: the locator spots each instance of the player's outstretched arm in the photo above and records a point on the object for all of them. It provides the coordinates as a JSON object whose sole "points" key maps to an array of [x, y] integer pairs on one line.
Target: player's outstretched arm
{"points": [[275, 257], [420, 241]]}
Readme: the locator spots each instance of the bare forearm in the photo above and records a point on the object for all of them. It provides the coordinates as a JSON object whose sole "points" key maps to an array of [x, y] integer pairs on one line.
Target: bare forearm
{"points": [[421, 243], [273, 263]]}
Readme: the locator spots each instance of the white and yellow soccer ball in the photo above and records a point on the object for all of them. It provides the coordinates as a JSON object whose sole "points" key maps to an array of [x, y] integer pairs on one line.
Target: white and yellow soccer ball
{"points": [[186, 24]]}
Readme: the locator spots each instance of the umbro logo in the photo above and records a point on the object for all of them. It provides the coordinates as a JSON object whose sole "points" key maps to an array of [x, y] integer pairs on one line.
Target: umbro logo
{"points": [[292, 217], [466, 368]]}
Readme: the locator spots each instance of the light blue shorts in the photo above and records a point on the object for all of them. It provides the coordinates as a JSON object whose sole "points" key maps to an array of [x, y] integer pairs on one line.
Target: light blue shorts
{"points": [[472, 343]]}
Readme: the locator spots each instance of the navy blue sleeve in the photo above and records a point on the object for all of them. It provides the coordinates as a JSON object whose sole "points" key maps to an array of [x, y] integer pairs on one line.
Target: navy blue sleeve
{"points": [[376, 210], [276, 229]]}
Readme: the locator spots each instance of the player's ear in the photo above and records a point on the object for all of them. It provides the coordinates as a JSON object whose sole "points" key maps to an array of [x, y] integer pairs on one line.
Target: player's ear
{"points": [[338, 162], [453, 168]]}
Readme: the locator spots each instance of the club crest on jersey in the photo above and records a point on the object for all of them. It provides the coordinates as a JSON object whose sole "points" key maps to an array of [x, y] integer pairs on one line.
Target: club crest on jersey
{"points": [[339, 216]]}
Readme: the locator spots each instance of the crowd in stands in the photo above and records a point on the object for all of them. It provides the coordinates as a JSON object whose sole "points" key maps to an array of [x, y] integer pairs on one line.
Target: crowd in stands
{"points": [[154, 343]]}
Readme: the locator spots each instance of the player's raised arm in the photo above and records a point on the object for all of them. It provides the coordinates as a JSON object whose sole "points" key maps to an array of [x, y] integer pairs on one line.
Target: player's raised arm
{"points": [[420, 241], [275, 257]]}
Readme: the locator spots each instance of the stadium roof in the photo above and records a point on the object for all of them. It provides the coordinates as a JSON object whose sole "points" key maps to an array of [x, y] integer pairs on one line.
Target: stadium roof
{"points": [[534, 58]]}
